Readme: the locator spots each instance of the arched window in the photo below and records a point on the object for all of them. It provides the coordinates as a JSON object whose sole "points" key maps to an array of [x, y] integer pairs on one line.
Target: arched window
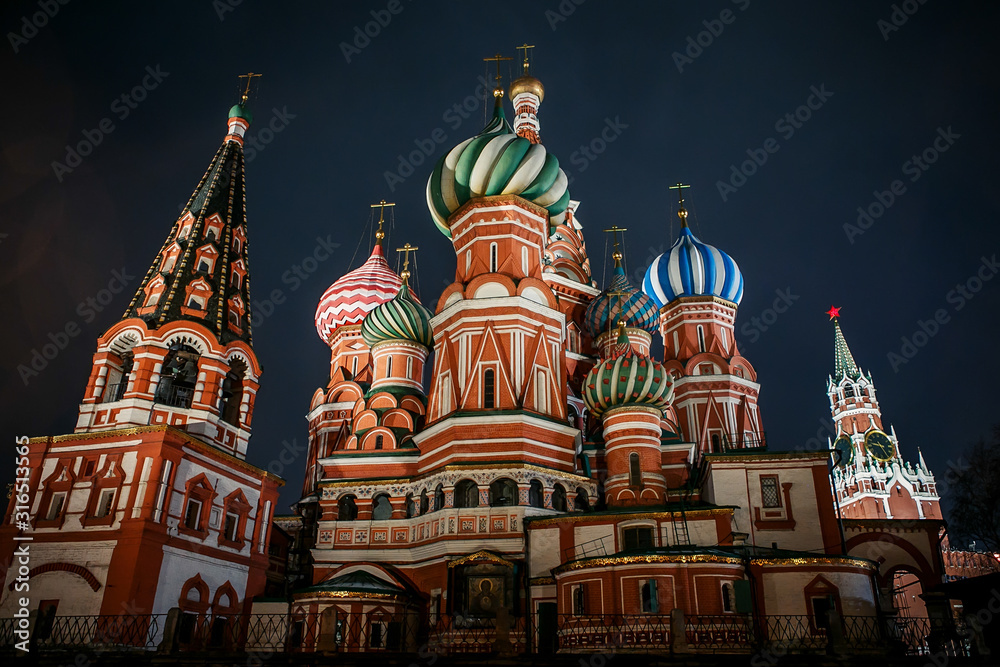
{"points": [[582, 500], [849, 391], [118, 378], [424, 504], [347, 509], [535, 493], [559, 498], [178, 376], [524, 259], [232, 393], [634, 472], [541, 396], [716, 443], [411, 506], [466, 494], [354, 366], [388, 367], [378, 441], [503, 493], [701, 338], [493, 258], [381, 508], [489, 388], [439, 497]]}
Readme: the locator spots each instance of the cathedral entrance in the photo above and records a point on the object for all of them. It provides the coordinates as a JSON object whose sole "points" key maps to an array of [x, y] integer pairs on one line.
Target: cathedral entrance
{"points": [[482, 584]]}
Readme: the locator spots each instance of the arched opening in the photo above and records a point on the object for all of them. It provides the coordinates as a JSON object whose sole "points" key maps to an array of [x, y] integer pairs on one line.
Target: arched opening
{"points": [[906, 592], [118, 377], [849, 391], [381, 508], [489, 389], [466, 494], [411, 506], [439, 497], [232, 392], [424, 503], [178, 376], [503, 493], [559, 498], [582, 500], [493, 258], [634, 472], [535, 494], [701, 338], [347, 509]]}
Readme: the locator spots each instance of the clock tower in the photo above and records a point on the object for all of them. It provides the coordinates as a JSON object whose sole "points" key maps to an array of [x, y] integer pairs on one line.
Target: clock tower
{"points": [[871, 478]]}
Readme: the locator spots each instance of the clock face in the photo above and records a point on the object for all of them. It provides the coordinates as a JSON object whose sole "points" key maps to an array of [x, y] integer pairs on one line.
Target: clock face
{"points": [[843, 451], [879, 446]]}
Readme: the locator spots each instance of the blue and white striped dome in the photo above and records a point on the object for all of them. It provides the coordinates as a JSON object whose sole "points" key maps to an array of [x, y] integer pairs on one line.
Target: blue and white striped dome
{"points": [[692, 268]]}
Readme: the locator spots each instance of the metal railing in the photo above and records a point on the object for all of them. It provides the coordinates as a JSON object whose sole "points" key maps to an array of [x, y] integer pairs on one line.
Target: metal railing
{"points": [[174, 395], [610, 632], [400, 632]]}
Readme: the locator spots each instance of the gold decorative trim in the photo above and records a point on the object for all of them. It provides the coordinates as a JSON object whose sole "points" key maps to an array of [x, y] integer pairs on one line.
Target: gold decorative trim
{"points": [[481, 555], [347, 594], [818, 560], [646, 558], [599, 518], [542, 581]]}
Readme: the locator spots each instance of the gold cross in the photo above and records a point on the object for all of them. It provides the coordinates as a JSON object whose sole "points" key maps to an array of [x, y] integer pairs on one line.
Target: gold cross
{"points": [[498, 91], [406, 249], [379, 235], [681, 211], [617, 253], [524, 47], [249, 77]]}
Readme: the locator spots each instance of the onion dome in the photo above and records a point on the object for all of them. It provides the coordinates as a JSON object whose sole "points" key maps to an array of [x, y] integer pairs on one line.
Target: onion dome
{"points": [[527, 84], [240, 111], [621, 301], [626, 378], [356, 294], [692, 268], [401, 318], [496, 162]]}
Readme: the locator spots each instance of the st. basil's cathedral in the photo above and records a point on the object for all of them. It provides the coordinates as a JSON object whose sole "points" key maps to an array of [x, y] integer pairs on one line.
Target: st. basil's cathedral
{"points": [[511, 449]]}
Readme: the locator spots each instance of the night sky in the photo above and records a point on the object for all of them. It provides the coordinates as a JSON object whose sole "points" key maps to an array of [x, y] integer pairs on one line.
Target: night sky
{"points": [[638, 96]]}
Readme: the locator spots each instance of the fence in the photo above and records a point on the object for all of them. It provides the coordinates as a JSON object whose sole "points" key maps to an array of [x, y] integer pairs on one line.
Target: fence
{"points": [[377, 631]]}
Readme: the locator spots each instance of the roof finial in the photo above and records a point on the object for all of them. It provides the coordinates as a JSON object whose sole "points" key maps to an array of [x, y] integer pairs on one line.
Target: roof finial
{"points": [[249, 77], [616, 253], [498, 90], [681, 211], [524, 47], [834, 312], [379, 235], [406, 249]]}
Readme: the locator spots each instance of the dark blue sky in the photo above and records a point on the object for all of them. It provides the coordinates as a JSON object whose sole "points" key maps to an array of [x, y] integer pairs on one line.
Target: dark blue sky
{"points": [[880, 96]]}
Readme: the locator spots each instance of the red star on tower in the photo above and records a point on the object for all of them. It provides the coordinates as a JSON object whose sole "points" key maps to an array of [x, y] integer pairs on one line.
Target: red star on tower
{"points": [[833, 312]]}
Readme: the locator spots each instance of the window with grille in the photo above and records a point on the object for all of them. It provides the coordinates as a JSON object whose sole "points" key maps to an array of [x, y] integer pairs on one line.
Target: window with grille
{"points": [[769, 491], [489, 388]]}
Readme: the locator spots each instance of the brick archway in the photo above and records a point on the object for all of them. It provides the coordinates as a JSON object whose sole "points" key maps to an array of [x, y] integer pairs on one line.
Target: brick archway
{"points": [[63, 567]]}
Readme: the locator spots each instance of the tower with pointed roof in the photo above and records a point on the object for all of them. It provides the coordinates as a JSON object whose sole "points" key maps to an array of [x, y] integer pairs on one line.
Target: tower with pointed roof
{"points": [[698, 289], [155, 471], [872, 480]]}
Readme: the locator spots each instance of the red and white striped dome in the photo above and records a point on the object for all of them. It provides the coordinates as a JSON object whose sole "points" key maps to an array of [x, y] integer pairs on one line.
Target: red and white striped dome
{"points": [[356, 294]]}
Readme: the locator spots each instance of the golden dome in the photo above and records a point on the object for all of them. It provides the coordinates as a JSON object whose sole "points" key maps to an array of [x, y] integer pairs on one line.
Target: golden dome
{"points": [[527, 84]]}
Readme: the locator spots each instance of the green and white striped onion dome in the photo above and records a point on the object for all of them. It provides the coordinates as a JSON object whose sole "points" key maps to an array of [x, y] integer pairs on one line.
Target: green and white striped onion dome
{"points": [[497, 162], [400, 318], [627, 379]]}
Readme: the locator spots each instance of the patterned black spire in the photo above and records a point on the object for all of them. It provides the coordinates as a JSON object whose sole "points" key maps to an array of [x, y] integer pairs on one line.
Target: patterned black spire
{"points": [[201, 273]]}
